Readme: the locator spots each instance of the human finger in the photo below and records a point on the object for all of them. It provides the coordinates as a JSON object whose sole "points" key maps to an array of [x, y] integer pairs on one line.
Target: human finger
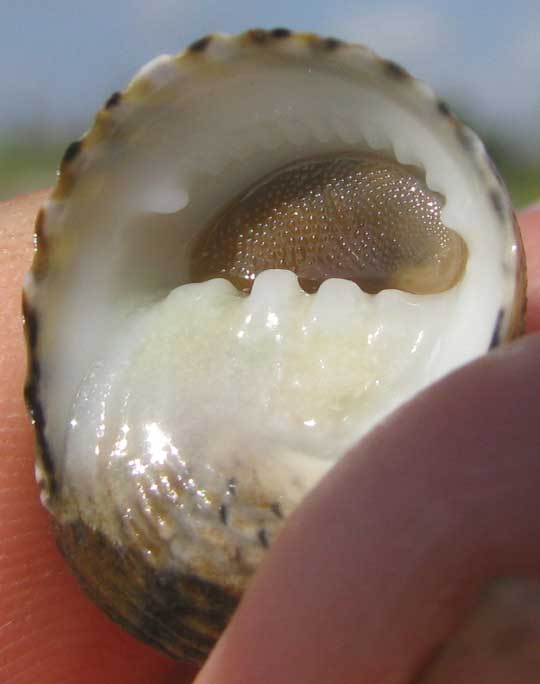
{"points": [[529, 221], [384, 561], [48, 630]]}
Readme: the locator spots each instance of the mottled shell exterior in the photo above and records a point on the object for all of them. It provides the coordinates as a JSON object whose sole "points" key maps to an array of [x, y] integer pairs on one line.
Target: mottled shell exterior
{"points": [[183, 614]]}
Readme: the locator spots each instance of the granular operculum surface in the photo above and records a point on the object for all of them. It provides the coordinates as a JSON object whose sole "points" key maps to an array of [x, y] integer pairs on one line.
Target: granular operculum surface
{"points": [[365, 219]]}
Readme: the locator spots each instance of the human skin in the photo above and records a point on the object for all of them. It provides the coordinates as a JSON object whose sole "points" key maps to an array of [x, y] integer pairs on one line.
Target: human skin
{"points": [[431, 522]]}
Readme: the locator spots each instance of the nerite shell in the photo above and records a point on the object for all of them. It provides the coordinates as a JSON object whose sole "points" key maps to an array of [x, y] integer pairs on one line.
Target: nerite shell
{"points": [[185, 389]]}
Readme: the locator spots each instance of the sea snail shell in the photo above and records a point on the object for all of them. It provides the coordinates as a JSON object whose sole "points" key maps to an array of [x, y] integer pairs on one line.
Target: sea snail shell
{"points": [[261, 247]]}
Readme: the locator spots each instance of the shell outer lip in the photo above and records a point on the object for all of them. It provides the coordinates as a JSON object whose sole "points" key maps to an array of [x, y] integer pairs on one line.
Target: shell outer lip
{"points": [[213, 48]]}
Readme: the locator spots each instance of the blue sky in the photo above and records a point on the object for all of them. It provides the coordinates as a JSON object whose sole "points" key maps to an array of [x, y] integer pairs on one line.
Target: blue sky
{"points": [[61, 58]]}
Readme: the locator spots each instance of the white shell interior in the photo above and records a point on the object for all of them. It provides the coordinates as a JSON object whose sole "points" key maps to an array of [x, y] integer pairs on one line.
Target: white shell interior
{"points": [[146, 372]]}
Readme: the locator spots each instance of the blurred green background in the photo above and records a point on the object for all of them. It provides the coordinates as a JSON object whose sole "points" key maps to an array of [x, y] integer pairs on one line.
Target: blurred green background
{"points": [[60, 60]]}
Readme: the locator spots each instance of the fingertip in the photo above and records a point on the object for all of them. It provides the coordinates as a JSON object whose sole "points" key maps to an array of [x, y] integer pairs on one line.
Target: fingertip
{"points": [[382, 562], [49, 631], [529, 221]]}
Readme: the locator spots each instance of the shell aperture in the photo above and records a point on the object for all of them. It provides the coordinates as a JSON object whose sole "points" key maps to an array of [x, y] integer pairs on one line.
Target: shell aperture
{"points": [[263, 246]]}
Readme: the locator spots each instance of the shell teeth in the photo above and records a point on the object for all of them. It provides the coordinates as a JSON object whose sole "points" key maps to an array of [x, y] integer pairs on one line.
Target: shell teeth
{"points": [[210, 291], [436, 182], [374, 136], [337, 287], [274, 287], [338, 302], [405, 154]]}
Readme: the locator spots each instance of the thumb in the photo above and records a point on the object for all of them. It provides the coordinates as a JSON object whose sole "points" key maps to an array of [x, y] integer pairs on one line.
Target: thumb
{"points": [[382, 563]]}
